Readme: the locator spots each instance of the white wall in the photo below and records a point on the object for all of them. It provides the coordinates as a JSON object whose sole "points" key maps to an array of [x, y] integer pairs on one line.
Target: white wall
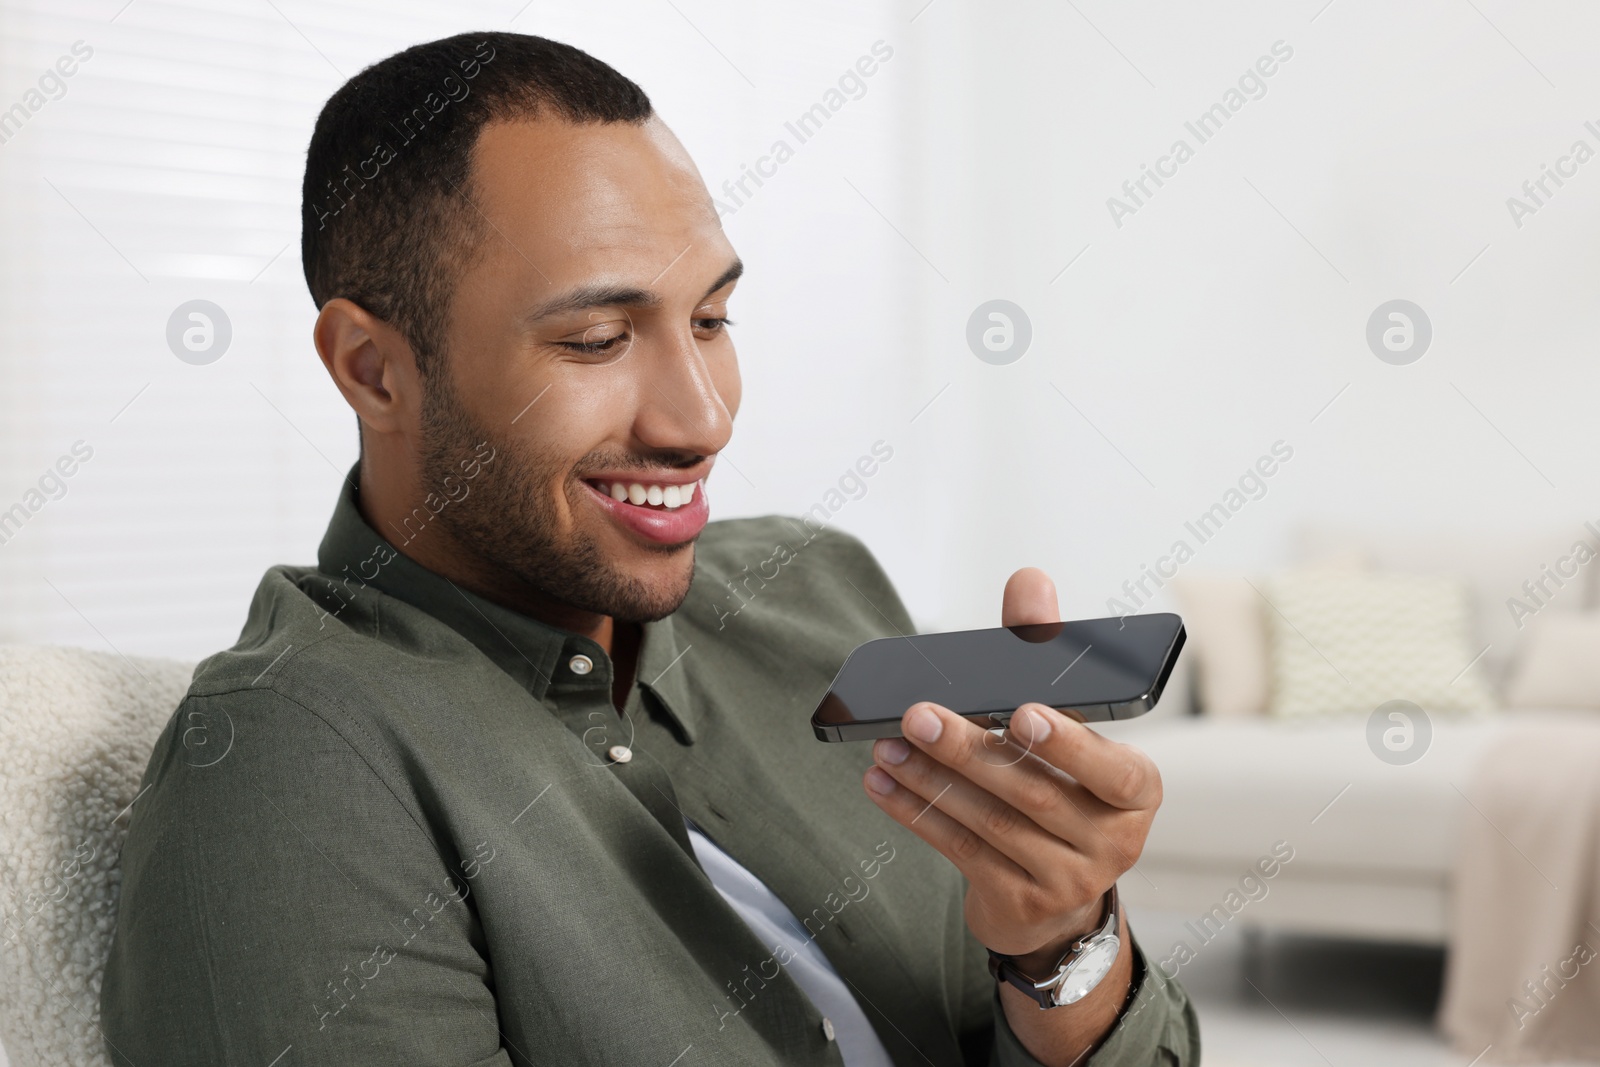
{"points": [[976, 166], [1206, 327]]}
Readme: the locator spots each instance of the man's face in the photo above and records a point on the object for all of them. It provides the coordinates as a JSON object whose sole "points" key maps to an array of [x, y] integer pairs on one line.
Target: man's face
{"points": [[586, 347]]}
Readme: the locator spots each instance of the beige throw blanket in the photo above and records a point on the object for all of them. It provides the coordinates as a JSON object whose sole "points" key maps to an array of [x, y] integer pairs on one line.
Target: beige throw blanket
{"points": [[1523, 975]]}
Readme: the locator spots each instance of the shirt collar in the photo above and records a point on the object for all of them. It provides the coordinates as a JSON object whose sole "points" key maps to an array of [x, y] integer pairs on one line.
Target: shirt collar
{"points": [[534, 653]]}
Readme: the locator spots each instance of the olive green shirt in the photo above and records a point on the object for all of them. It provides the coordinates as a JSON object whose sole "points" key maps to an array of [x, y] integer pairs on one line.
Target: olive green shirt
{"points": [[390, 826]]}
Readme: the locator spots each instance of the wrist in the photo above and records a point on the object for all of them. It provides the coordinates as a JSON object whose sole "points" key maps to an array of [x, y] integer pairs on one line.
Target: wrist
{"points": [[1083, 923], [1077, 971], [1068, 1038]]}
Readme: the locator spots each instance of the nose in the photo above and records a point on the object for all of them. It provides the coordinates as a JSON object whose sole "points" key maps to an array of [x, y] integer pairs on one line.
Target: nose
{"points": [[681, 406]]}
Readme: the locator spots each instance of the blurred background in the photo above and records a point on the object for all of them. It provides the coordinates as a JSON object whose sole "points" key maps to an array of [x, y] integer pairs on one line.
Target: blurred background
{"points": [[1170, 346], [1167, 353], [1156, 337]]}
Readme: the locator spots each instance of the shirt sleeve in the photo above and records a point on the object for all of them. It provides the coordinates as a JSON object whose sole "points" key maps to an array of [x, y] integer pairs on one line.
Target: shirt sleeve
{"points": [[1158, 1028], [277, 895]]}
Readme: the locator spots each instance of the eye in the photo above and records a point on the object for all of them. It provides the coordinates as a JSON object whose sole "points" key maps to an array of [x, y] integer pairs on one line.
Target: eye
{"points": [[594, 347], [712, 326], [596, 341]]}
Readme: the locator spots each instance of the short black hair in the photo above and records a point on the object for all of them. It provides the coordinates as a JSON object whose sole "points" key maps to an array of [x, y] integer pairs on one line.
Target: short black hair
{"points": [[386, 216]]}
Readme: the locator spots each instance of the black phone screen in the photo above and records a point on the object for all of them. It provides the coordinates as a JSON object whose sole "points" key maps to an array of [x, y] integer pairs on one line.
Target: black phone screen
{"points": [[1093, 669]]}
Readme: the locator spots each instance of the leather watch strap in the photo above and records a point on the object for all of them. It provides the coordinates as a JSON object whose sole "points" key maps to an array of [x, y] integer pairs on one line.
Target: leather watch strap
{"points": [[1005, 969]]}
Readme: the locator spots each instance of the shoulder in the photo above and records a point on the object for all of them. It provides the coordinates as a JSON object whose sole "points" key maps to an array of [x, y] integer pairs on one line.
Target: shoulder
{"points": [[318, 640], [288, 617], [323, 682]]}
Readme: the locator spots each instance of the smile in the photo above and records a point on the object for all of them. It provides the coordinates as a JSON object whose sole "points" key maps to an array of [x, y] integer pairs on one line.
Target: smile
{"points": [[658, 512], [670, 497]]}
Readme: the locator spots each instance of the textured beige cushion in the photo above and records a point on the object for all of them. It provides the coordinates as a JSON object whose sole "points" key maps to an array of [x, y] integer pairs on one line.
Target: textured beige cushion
{"points": [[1559, 663], [76, 728], [1222, 615], [1494, 564], [1345, 641]]}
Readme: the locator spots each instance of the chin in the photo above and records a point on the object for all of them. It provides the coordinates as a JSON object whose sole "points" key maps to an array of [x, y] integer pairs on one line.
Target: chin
{"points": [[663, 594], [644, 590]]}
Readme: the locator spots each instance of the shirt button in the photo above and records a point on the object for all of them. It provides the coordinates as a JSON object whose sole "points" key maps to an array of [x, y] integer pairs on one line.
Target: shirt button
{"points": [[580, 664], [827, 1028], [619, 753]]}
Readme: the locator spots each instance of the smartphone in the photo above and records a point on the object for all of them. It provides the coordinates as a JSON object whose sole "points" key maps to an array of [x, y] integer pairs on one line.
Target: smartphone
{"points": [[1094, 670]]}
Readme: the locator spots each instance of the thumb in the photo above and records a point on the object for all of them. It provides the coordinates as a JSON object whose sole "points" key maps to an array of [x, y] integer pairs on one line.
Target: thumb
{"points": [[1030, 597]]}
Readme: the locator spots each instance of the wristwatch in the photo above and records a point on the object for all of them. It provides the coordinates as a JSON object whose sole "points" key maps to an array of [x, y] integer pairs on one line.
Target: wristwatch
{"points": [[1075, 975]]}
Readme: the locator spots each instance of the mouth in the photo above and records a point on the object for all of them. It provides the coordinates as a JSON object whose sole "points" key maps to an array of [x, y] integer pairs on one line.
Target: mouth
{"points": [[661, 512]]}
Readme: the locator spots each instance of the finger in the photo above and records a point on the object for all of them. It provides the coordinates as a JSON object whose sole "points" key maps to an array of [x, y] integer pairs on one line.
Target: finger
{"points": [[1117, 774], [1001, 768], [1030, 597], [980, 862], [1044, 855]]}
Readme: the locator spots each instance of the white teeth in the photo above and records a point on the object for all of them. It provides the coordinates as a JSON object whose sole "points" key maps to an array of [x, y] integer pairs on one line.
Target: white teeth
{"points": [[661, 496]]}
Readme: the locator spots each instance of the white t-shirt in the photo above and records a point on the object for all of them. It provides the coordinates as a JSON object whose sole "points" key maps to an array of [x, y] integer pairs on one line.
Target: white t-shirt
{"points": [[775, 925]]}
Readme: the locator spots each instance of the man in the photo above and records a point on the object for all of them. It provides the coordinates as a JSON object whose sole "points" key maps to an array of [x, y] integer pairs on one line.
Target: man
{"points": [[502, 780]]}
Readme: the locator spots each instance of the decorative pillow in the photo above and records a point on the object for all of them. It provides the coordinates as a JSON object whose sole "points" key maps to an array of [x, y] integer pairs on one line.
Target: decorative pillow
{"points": [[1559, 664], [1227, 632], [1346, 640]]}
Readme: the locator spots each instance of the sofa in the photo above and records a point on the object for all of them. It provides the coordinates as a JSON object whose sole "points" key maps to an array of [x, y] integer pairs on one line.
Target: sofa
{"points": [[1375, 844]]}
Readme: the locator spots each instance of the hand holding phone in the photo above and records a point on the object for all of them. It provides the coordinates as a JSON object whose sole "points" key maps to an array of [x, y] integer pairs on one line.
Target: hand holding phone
{"points": [[1041, 818]]}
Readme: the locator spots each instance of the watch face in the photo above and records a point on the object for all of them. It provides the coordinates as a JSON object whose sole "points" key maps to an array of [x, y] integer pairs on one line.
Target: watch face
{"points": [[1084, 973]]}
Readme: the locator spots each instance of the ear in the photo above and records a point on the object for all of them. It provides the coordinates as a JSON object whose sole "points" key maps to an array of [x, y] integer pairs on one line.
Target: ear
{"points": [[372, 364]]}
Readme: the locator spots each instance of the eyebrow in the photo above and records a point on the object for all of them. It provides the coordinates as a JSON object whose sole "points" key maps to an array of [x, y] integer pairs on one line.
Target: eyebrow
{"points": [[606, 295]]}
